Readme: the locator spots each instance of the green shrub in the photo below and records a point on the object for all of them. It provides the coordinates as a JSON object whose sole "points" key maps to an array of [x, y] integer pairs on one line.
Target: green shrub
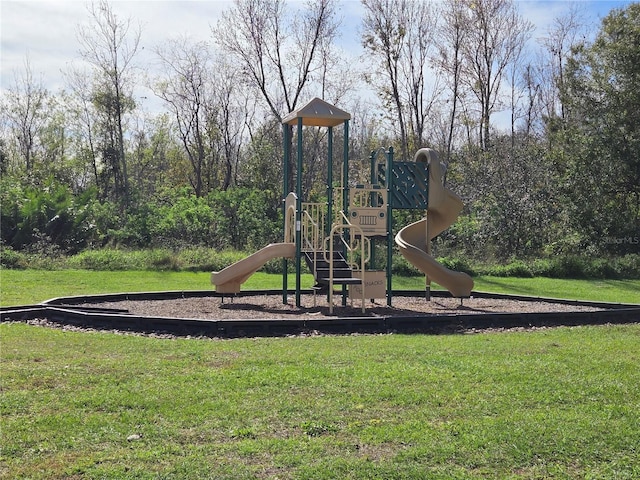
{"points": [[275, 266], [183, 219], [44, 255], [457, 264], [567, 266], [540, 267], [400, 266], [197, 259], [600, 268], [572, 266], [9, 258], [628, 266], [209, 260], [103, 259], [49, 212], [202, 259], [517, 268], [244, 219], [225, 258], [112, 259], [160, 259]]}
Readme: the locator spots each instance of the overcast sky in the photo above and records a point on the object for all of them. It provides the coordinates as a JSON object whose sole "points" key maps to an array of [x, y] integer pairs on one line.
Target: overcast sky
{"points": [[46, 31]]}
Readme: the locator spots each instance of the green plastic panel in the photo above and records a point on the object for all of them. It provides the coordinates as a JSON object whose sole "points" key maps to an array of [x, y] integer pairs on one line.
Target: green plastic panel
{"points": [[409, 186]]}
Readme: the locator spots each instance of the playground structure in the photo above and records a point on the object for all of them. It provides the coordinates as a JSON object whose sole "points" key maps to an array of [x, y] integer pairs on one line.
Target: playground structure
{"points": [[340, 252], [338, 239]]}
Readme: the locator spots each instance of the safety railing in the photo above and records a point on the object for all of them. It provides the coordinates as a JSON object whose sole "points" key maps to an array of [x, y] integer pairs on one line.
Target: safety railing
{"points": [[290, 218], [313, 219], [367, 196], [312, 225], [356, 244]]}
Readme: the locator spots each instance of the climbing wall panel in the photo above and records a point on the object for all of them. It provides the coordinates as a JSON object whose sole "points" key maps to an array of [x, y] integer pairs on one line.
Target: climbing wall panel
{"points": [[409, 184]]}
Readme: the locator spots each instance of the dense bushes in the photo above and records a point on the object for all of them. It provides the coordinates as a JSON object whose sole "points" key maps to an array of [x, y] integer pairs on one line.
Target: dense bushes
{"points": [[37, 218], [568, 266], [208, 259], [112, 259], [561, 266], [50, 227], [50, 214]]}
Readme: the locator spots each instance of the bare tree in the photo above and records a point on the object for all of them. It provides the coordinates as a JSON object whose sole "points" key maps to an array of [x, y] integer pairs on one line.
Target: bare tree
{"points": [[562, 35], [516, 75], [184, 88], [83, 121], [281, 52], [450, 39], [532, 95], [398, 36], [421, 84], [109, 45], [495, 37], [231, 107], [202, 94], [25, 112]]}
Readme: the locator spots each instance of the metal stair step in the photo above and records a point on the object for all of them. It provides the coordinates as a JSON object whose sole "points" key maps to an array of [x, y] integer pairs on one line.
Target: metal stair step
{"points": [[321, 269], [337, 273], [342, 281]]}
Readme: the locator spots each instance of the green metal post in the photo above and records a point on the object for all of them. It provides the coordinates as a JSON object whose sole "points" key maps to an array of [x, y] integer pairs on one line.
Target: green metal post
{"points": [[372, 163], [389, 178], [329, 220], [299, 214], [345, 169], [345, 190], [285, 188], [374, 203]]}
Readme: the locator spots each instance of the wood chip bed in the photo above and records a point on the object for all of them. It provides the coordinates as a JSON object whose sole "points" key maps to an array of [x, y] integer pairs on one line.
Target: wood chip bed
{"points": [[271, 307]]}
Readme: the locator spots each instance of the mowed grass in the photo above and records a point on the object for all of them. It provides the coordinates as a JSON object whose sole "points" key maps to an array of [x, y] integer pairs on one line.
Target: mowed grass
{"points": [[554, 403], [23, 287]]}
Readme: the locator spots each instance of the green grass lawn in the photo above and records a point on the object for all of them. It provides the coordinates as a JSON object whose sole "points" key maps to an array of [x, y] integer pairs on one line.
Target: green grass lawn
{"points": [[556, 403], [23, 287]]}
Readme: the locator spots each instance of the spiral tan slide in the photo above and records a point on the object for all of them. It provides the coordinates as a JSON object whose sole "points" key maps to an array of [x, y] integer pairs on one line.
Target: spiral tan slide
{"points": [[413, 240]]}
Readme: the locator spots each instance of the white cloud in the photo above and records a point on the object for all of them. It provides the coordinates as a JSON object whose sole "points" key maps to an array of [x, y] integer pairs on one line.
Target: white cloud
{"points": [[46, 31], [42, 31]]}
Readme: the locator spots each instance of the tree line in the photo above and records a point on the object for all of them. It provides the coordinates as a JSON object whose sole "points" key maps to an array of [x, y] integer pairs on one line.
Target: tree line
{"points": [[560, 173]]}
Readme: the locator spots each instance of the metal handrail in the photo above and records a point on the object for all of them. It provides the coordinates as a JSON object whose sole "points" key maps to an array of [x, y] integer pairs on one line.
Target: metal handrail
{"points": [[312, 223], [341, 227], [364, 241], [290, 218]]}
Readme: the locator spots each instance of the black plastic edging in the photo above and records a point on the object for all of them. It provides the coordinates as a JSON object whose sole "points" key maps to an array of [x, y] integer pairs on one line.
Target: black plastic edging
{"points": [[67, 311]]}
